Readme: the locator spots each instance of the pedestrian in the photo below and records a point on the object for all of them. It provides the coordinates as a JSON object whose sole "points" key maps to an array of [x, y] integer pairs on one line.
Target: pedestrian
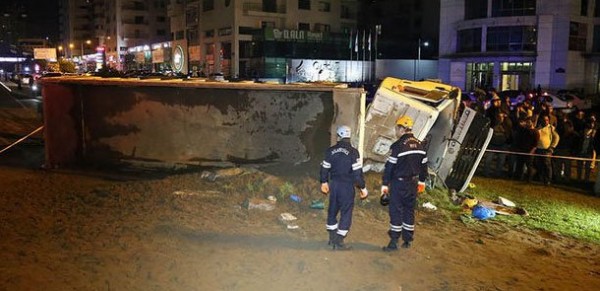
{"points": [[525, 142], [499, 141], [587, 151], [567, 147], [404, 176], [341, 170], [547, 142]]}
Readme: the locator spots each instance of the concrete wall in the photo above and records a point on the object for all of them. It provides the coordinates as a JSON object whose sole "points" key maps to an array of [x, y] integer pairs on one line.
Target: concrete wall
{"points": [[103, 122]]}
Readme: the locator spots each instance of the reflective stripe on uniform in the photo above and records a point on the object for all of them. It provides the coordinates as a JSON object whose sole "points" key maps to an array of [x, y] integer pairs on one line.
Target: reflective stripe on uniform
{"points": [[408, 226], [424, 160], [392, 160], [342, 232], [325, 165], [395, 228], [331, 227], [357, 165], [411, 153]]}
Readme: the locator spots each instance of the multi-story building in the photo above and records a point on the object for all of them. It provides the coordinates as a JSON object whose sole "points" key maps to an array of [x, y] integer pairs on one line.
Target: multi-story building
{"points": [[256, 38], [76, 24], [400, 24], [129, 23], [114, 25], [520, 44]]}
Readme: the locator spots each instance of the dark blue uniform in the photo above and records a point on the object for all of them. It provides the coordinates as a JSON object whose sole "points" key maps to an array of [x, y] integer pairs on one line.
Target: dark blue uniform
{"points": [[342, 167], [406, 166]]}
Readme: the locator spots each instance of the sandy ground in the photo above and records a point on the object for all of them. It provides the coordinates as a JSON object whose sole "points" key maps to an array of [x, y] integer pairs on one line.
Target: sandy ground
{"points": [[64, 230]]}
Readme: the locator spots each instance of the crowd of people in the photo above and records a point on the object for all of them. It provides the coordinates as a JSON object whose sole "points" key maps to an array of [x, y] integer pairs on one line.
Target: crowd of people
{"points": [[532, 141]]}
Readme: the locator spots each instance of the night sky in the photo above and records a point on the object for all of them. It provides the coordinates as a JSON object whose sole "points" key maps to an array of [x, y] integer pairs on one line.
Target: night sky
{"points": [[41, 20]]}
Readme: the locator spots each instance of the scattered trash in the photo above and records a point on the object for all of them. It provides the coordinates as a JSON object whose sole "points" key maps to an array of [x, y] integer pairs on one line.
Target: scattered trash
{"points": [[259, 204], [472, 185], [272, 198], [505, 202], [296, 198], [208, 175], [454, 197], [288, 220], [482, 212], [470, 202], [317, 204], [429, 206], [504, 210]]}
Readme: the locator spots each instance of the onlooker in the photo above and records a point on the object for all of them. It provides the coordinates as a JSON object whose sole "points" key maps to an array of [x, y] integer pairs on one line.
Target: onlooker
{"points": [[567, 147], [499, 142], [525, 141], [548, 139], [588, 151], [579, 121]]}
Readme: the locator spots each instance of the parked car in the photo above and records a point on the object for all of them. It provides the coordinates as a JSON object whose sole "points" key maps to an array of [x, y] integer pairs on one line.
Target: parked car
{"points": [[567, 102], [576, 101]]}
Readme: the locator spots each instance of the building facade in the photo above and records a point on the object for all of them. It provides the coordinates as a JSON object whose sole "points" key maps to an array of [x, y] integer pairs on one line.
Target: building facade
{"points": [[520, 44], [113, 25], [241, 38]]}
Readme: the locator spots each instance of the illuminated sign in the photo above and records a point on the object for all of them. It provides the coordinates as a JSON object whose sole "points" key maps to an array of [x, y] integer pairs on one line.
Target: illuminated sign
{"points": [[178, 58], [293, 35]]}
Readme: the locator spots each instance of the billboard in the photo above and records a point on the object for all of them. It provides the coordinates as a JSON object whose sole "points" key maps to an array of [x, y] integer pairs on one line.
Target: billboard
{"points": [[44, 54]]}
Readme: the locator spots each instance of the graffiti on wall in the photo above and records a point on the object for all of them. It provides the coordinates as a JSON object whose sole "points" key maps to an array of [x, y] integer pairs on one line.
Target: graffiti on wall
{"points": [[328, 71]]}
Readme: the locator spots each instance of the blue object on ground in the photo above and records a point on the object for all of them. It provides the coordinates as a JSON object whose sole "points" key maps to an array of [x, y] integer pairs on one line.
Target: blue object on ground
{"points": [[481, 212], [295, 198]]}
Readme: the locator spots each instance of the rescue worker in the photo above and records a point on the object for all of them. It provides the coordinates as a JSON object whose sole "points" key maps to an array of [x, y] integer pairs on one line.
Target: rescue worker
{"points": [[340, 171], [403, 177]]}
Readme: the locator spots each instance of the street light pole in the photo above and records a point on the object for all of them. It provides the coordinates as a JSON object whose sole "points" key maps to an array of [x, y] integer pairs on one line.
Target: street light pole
{"points": [[417, 66]]}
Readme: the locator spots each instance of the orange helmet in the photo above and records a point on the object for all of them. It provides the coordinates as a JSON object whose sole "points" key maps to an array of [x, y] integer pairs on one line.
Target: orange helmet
{"points": [[405, 121]]}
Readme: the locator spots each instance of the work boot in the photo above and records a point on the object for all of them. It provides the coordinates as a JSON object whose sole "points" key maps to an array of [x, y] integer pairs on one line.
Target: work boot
{"points": [[332, 235], [392, 245], [339, 245], [406, 245]]}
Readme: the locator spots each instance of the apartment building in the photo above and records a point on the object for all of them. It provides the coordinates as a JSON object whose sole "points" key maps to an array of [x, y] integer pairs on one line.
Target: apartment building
{"points": [[256, 38], [113, 25], [130, 23], [520, 44]]}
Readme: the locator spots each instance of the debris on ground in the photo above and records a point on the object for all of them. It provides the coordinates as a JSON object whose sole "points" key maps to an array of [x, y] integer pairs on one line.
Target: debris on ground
{"points": [[259, 204], [482, 212], [429, 206], [317, 204], [288, 220], [296, 198], [505, 202]]}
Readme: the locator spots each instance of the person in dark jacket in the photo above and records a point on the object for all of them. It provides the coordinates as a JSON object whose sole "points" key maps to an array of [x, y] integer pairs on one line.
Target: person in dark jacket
{"points": [[587, 150], [567, 147], [342, 167], [403, 177], [526, 143], [499, 141]]}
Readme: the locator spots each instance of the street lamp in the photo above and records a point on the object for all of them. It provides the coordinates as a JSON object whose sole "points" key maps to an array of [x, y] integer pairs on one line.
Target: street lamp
{"points": [[426, 43], [88, 42], [71, 46]]}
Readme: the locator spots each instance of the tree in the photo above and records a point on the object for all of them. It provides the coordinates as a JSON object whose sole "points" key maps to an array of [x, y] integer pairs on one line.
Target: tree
{"points": [[66, 66]]}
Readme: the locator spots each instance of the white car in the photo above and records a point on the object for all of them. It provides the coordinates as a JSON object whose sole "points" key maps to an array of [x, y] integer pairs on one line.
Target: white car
{"points": [[568, 102]]}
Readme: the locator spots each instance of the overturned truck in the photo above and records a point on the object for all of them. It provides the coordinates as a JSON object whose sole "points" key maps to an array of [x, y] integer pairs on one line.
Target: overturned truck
{"points": [[455, 137], [175, 124]]}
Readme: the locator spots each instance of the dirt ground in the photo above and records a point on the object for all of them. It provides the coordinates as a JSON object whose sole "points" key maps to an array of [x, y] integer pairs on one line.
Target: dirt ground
{"points": [[79, 230], [66, 230]]}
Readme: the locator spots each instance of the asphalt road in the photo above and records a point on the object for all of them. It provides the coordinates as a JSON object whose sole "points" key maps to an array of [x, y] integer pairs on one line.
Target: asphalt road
{"points": [[20, 114]]}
